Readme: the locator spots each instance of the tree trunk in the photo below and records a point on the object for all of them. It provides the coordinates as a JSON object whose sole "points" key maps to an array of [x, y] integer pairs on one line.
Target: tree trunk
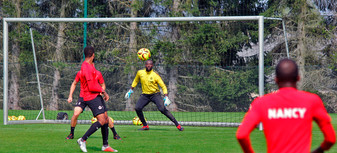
{"points": [[175, 28], [54, 95], [132, 47], [172, 87], [301, 45], [58, 57], [129, 105], [14, 96]]}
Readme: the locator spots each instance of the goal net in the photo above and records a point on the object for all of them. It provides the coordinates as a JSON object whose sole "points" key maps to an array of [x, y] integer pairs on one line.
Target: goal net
{"points": [[212, 66]]}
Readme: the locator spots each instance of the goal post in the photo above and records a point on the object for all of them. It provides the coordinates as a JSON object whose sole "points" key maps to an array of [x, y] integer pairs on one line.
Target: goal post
{"points": [[260, 20]]}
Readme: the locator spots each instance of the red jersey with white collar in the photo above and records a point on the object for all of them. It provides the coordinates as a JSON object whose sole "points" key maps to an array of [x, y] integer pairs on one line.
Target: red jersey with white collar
{"points": [[99, 77], [287, 117], [89, 83]]}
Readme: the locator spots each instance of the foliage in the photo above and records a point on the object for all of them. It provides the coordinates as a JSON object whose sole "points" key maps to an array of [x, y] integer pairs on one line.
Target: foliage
{"points": [[171, 53], [228, 90], [225, 7], [214, 44]]}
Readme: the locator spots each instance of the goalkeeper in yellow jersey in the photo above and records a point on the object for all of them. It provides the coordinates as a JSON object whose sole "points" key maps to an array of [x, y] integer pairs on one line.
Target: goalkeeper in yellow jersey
{"points": [[150, 80]]}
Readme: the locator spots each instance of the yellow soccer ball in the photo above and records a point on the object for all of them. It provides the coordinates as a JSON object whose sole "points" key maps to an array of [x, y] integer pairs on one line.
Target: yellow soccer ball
{"points": [[93, 120], [14, 118], [144, 54], [136, 121], [9, 118], [21, 117]]}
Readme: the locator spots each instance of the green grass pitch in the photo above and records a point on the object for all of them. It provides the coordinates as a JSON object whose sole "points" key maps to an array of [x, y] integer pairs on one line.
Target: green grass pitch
{"points": [[159, 139]]}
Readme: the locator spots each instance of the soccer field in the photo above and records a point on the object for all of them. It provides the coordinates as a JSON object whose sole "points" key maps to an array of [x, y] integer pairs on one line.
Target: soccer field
{"points": [[51, 138]]}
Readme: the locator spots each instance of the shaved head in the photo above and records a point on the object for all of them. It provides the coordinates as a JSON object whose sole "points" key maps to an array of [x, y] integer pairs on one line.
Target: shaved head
{"points": [[287, 71], [149, 65], [149, 62]]}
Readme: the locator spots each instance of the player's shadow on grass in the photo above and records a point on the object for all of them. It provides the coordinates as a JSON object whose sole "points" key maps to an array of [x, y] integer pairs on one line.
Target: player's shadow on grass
{"points": [[93, 148], [154, 129], [95, 136]]}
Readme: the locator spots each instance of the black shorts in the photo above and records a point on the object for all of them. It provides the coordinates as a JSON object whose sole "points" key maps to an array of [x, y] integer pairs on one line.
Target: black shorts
{"points": [[81, 103], [145, 99], [97, 105]]}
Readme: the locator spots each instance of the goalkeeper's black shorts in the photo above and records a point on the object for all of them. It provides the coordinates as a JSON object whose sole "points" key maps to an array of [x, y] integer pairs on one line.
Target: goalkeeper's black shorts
{"points": [[145, 99]]}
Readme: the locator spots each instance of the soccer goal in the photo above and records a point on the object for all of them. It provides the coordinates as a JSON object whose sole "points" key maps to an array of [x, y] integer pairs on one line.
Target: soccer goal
{"points": [[42, 55]]}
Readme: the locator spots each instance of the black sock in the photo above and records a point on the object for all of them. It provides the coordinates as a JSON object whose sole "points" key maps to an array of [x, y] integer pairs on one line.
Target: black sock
{"points": [[72, 130], [141, 117], [93, 128], [105, 134], [170, 116], [113, 131], [175, 122]]}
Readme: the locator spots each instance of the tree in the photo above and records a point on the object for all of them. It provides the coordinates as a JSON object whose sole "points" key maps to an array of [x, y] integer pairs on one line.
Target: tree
{"points": [[58, 57], [14, 96], [132, 48], [56, 48], [311, 44], [173, 73], [15, 8]]}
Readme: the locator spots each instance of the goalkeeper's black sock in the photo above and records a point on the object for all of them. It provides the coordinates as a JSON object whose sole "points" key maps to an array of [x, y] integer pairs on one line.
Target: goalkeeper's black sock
{"points": [[113, 131], [175, 122], [72, 129], [170, 116], [93, 128], [141, 117], [105, 134]]}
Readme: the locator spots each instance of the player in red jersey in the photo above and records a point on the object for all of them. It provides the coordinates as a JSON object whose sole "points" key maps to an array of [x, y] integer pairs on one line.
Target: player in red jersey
{"points": [[92, 97], [287, 116], [80, 105]]}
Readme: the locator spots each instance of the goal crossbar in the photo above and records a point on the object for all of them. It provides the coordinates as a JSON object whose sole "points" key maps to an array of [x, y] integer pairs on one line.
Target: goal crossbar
{"points": [[157, 19]]}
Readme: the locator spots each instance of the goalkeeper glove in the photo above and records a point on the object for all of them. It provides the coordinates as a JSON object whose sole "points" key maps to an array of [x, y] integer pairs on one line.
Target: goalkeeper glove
{"points": [[167, 101], [128, 94]]}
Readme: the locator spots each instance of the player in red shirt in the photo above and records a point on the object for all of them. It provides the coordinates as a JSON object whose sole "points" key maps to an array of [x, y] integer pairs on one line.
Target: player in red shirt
{"points": [[80, 105], [92, 97], [287, 116]]}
